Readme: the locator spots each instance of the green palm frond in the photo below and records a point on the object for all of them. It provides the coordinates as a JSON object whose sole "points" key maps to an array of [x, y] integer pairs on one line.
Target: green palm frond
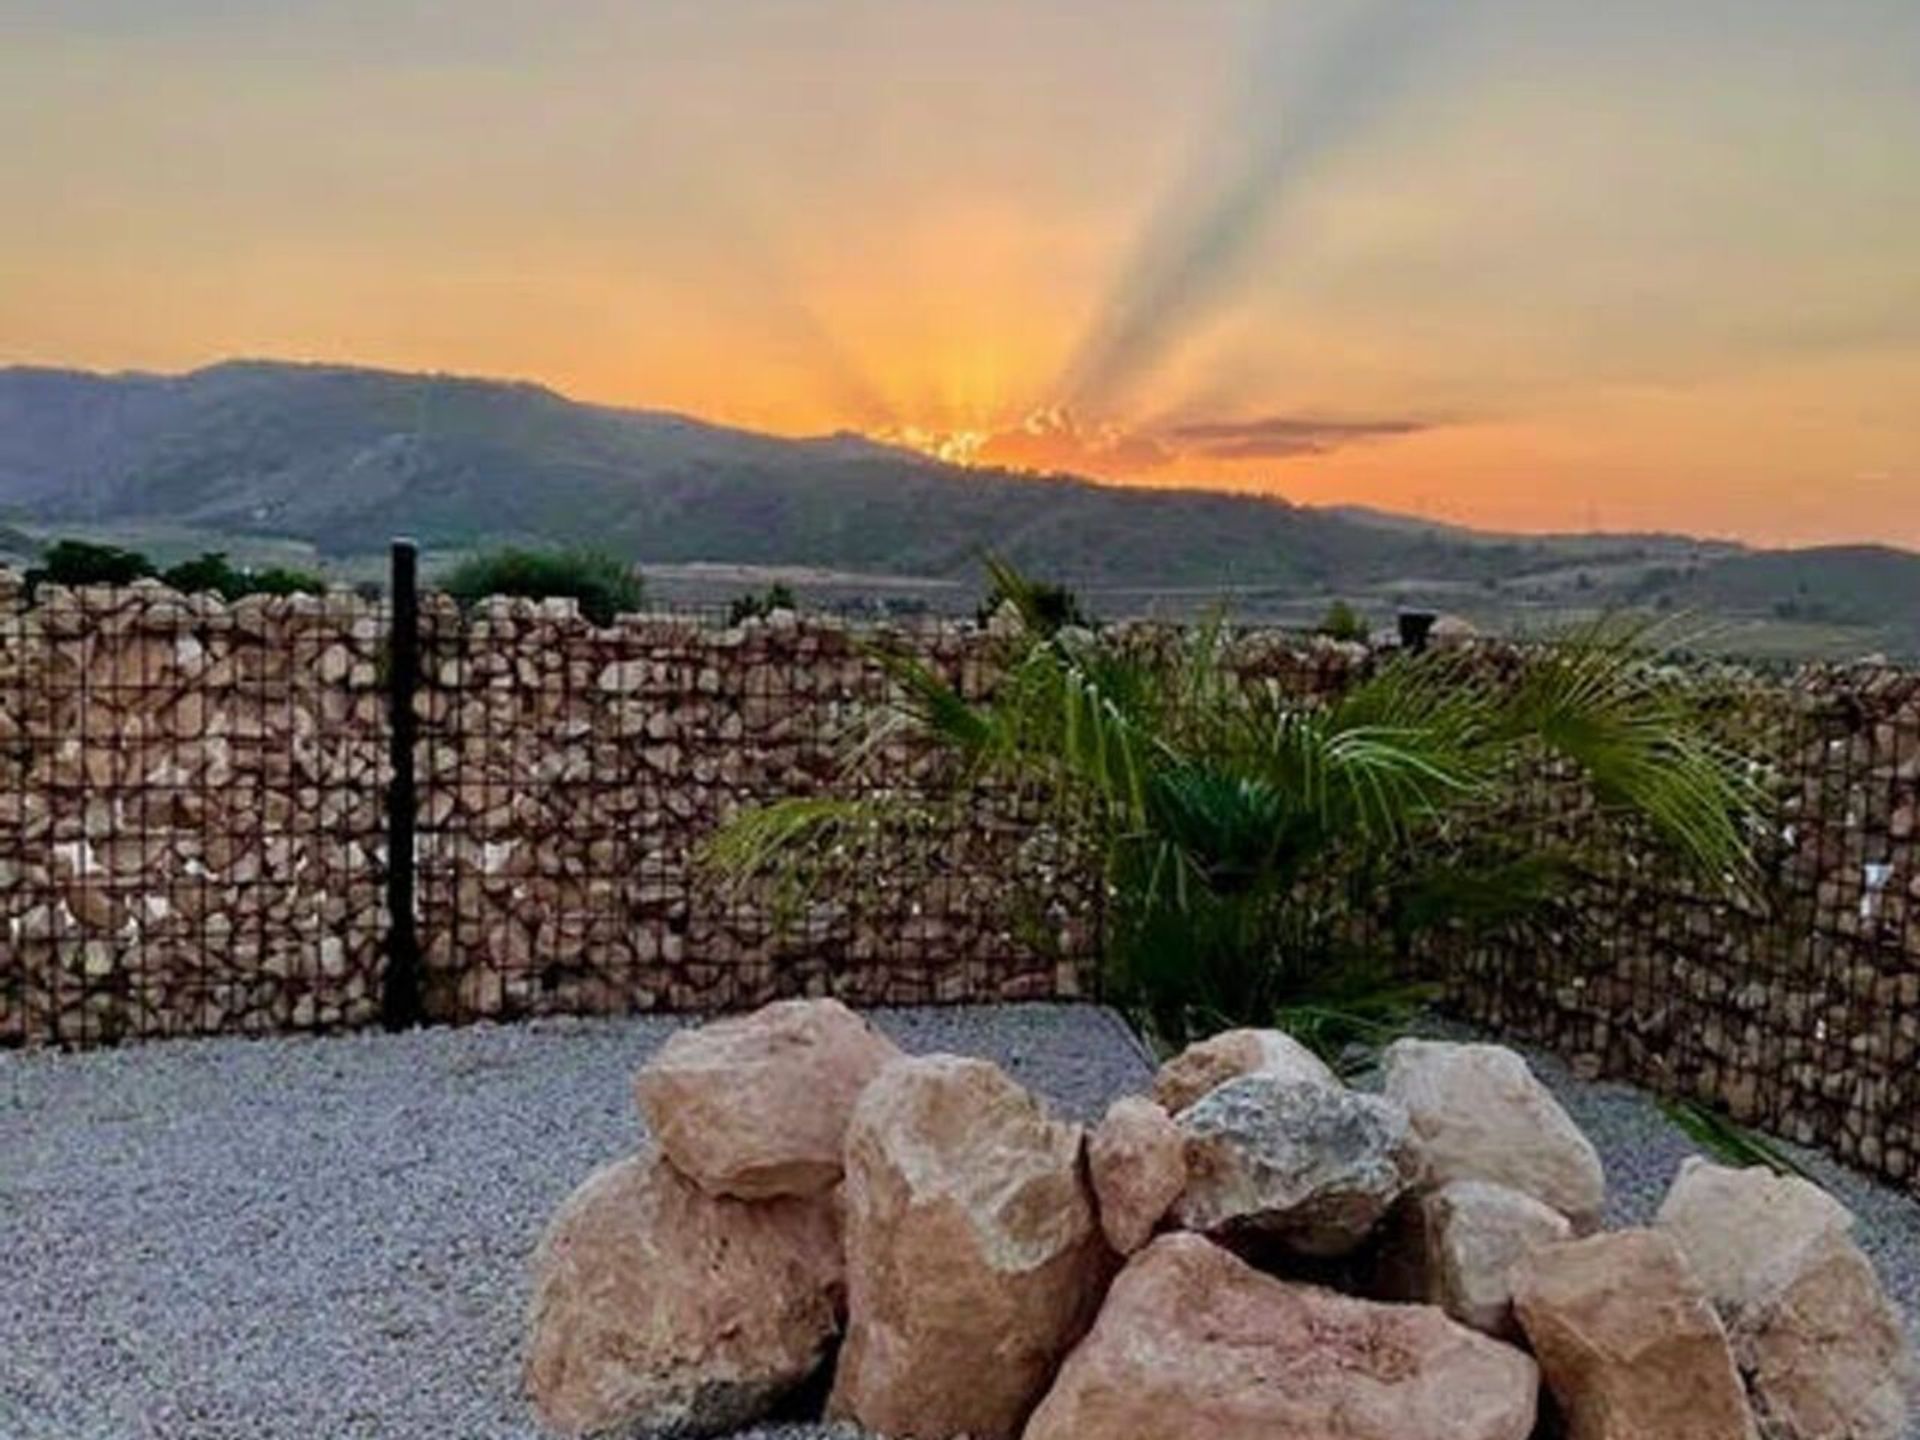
{"points": [[1636, 733]]}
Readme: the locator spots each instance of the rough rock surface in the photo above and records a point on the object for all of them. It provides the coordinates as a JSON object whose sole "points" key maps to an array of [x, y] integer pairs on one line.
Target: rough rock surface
{"points": [[1136, 1158], [1479, 1113], [1192, 1342], [1209, 1064], [1470, 1235], [756, 1105], [657, 1306], [974, 1258], [1312, 1166], [1823, 1349], [1627, 1341]]}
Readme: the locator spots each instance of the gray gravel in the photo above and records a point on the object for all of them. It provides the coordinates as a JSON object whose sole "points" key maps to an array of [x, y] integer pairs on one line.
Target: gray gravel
{"points": [[328, 1238]]}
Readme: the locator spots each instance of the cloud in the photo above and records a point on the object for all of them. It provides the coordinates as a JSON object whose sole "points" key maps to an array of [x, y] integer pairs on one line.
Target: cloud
{"points": [[1278, 437], [1055, 439]]}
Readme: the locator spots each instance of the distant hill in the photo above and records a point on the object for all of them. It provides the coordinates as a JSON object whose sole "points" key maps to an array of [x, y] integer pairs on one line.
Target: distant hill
{"points": [[342, 458]]}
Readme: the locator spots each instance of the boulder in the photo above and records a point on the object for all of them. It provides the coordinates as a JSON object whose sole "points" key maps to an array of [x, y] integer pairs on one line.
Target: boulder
{"points": [[1137, 1160], [1478, 1113], [1193, 1342], [657, 1307], [974, 1258], [1210, 1063], [1472, 1235], [1628, 1343], [756, 1105], [1296, 1161], [1824, 1351]]}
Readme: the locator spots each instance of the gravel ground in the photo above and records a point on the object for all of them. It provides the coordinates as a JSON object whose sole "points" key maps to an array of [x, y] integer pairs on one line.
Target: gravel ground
{"points": [[328, 1238]]}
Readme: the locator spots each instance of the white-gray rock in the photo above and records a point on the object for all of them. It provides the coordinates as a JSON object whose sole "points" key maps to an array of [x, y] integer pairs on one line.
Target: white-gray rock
{"points": [[1476, 1232], [1478, 1113], [1312, 1166]]}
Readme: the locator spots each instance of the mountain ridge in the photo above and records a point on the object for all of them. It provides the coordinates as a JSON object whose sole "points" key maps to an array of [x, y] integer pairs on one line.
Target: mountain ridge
{"points": [[341, 457]]}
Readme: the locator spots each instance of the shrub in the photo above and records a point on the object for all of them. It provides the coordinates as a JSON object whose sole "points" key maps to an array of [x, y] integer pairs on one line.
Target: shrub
{"points": [[1047, 607], [758, 607], [213, 572], [604, 584], [1342, 622], [81, 562]]}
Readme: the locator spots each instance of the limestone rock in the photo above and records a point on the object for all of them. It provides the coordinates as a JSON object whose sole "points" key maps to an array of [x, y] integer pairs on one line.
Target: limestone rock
{"points": [[659, 1307], [1475, 1234], [1478, 1113], [1628, 1343], [756, 1105], [1210, 1063], [1136, 1158], [1313, 1167], [1823, 1349], [974, 1259], [1192, 1342]]}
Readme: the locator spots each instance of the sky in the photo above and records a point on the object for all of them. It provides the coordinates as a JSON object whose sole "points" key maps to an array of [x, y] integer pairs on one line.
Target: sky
{"points": [[1525, 264]]}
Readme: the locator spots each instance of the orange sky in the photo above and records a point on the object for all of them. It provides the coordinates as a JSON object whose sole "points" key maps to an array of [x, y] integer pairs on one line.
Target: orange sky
{"points": [[1523, 263]]}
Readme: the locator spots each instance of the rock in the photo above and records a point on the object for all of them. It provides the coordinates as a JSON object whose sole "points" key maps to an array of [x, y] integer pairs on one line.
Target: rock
{"points": [[1136, 1158], [1823, 1349], [1472, 1235], [1628, 1343], [1211, 1063], [1194, 1343], [1478, 1113], [974, 1260], [1313, 1167], [659, 1307], [757, 1105]]}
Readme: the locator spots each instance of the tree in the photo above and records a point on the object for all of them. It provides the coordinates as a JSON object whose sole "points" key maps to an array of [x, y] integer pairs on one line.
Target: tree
{"points": [[1240, 830]]}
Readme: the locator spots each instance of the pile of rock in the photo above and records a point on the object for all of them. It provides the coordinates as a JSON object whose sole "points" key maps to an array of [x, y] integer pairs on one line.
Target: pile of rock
{"points": [[1257, 1250]]}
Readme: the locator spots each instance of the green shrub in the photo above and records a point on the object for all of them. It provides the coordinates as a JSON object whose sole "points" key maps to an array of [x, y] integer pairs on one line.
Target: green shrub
{"points": [[604, 584], [1342, 622], [758, 607], [215, 573], [81, 562], [1043, 605]]}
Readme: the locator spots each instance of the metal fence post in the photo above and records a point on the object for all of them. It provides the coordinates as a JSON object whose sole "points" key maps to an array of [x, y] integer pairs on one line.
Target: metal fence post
{"points": [[400, 992]]}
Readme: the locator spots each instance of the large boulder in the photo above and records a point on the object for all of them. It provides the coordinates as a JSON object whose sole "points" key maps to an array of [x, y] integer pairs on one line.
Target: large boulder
{"points": [[1137, 1160], [1456, 1247], [1308, 1165], [1824, 1351], [974, 1257], [1628, 1343], [657, 1307], [1479, 1113], [1211, 1063], [756, 1105], [1192, 1342]]}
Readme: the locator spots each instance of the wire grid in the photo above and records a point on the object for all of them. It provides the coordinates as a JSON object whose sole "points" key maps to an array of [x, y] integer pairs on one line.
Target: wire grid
{"points": [[192, 817], [1799, 1011], [569, 774]]}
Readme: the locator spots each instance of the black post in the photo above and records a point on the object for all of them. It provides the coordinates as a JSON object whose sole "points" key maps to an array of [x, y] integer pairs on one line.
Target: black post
{"points": [[400, 995]]}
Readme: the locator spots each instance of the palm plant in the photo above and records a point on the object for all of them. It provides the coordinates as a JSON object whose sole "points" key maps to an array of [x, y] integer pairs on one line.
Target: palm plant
{"points": [[1271, 859]]}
